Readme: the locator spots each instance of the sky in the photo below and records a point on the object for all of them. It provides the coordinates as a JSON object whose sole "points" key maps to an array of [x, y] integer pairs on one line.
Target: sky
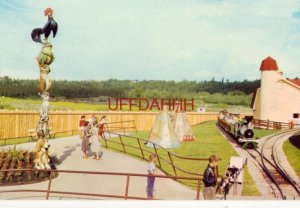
{"points": [[152, 40]]}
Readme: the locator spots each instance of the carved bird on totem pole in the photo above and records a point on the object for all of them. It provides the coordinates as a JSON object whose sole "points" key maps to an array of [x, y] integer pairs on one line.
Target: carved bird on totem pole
{"points": [[50, 26]]}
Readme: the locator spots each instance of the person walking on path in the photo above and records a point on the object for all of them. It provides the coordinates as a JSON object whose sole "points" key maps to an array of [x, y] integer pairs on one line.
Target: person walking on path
{"points": [[81, 126], [85, 147], [151, 176], [95, 144], [101, 126], [210, 179]]}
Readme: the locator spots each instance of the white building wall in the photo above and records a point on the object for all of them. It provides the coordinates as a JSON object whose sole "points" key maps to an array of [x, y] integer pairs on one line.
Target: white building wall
{"points": [[269, 100], [288, 102], [279, 100]]}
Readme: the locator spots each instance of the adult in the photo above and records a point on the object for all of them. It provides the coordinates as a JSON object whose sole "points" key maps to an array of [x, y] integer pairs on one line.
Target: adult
{"points": [[81, 126], [95, 144], [101, 126], [85, 147], [92, 119]]}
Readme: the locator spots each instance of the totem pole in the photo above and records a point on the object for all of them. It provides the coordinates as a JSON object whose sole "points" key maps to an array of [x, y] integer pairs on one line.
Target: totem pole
{"points": [[43, 60]]}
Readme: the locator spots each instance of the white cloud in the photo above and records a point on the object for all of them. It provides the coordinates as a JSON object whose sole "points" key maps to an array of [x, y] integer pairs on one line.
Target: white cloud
{"points": [[155, 40]]}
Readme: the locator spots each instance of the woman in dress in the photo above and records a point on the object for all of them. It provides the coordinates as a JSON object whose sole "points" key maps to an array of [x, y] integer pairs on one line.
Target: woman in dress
{"points": [[85, 147], [95, 144]]}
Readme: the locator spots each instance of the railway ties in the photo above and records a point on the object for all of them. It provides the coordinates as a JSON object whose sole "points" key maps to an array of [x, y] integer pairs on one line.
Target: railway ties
{"points": [[271, 188], [282, 184]]}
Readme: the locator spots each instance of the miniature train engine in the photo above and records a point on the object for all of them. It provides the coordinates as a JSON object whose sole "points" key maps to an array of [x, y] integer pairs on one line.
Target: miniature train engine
{"points": [[242, 130]]}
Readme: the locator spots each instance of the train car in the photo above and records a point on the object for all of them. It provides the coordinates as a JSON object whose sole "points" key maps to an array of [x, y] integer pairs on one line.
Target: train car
{"points": [[240, 129]]}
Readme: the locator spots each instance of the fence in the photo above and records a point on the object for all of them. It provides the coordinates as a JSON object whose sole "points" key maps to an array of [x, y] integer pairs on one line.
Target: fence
{"points": [[125, 196], [122, 126], [15, 124], [273, 125]]}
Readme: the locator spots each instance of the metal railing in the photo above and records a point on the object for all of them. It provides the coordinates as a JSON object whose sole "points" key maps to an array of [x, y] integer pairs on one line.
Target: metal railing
{"points": [[157, 149], [125, 196]]}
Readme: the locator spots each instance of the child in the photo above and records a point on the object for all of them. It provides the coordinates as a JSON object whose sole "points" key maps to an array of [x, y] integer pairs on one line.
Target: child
{"points": [[151, 177]]}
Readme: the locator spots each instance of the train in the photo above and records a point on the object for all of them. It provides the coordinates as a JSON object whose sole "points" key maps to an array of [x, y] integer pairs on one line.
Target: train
{"points": [[242, 130]]}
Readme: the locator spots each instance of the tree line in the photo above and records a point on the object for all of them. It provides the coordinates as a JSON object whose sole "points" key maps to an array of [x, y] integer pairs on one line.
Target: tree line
{"points": [[24, 88]]}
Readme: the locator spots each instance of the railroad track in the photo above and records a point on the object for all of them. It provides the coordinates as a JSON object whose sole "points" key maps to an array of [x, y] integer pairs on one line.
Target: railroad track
{"points": [[287, 188], [280, 183]]}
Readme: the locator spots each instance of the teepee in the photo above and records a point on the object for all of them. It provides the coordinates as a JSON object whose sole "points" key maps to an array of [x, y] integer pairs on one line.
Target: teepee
{"points": [[183, 128], [163, 131]]}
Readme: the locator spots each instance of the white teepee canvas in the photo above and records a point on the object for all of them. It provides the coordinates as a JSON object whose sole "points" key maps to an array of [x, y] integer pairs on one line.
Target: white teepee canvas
{"points": [[182, 127], [163, 131]]}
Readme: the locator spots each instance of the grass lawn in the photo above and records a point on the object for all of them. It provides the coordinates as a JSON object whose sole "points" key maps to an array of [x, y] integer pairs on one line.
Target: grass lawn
{"points": [[208, 141], [259, 133], [291, 148]]}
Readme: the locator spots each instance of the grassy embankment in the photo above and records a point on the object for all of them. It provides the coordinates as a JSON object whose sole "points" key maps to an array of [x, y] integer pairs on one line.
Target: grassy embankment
{"points": [[208, 141], [291, 148], [259, 133]]}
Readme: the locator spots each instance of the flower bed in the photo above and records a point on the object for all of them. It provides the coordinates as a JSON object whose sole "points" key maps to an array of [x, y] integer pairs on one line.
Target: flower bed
{"points": [[20, 159]]}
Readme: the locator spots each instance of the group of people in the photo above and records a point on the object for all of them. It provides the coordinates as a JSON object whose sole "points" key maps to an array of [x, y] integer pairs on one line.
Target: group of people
{"points": [[91, 131]]}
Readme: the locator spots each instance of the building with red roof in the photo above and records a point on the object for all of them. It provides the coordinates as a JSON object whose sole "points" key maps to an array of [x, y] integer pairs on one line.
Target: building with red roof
{"points": [[278, 98], [268, 64]]}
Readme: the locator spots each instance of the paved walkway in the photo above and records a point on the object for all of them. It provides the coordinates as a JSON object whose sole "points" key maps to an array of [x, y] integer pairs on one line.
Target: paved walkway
{"points": [[68, 151]]}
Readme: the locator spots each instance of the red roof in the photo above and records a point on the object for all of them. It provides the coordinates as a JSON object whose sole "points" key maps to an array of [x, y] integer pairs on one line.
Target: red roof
{"points": [[295, 81], [268, 64]]}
